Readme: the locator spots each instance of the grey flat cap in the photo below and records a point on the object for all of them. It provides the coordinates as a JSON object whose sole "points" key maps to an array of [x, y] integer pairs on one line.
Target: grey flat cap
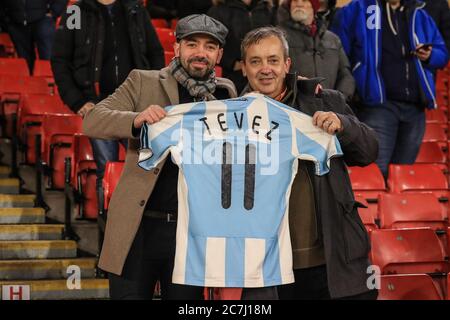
{"points": [[201, 23]]}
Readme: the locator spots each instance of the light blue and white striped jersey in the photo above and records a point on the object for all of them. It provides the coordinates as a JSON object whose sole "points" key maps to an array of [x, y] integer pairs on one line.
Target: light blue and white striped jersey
{"points": [[237, 161]]}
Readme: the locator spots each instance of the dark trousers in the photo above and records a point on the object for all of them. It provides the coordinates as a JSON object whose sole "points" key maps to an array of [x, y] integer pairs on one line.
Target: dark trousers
{"points": [[312, 284], [39, 34], [400, 128], [151, 258]]}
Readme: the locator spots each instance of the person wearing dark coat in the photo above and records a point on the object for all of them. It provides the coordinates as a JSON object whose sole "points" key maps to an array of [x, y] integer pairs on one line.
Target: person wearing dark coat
{"points": [[330, 245], [162, 9], [186, 8], [31, 23], [327, 11], [315, 51], [240, 17], [440, 12], [89, 63]]}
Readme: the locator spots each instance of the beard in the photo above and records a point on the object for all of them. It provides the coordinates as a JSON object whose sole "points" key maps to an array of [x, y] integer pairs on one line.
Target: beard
{"points": [[299, 15], [197, 73]]}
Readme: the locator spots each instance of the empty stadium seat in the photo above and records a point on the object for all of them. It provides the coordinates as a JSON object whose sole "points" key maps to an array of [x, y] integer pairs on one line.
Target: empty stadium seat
{"points": [[367, 181], [112, 175], [411, 210], [408, 287], [168, 56], [83, 177], [368, 215], [14, 67], [435, 132], [57, 139], [431, 152], [6, 45], [219, 71], [406, 251], [30, 116], [166, 37], [417, 178], [159, 23], [43, 69], [436, 116]]}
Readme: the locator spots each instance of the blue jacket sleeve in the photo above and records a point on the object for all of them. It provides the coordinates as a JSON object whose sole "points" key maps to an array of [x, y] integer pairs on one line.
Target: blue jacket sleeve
{"points": [[439, 54]]}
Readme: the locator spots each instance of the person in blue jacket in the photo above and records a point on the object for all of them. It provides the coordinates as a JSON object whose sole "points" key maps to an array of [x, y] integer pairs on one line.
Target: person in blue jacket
{"points": [[393, 47]]}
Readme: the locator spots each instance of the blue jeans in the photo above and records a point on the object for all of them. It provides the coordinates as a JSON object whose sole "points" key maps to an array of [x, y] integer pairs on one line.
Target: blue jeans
{"points": [[104, 150], [400, 128]]}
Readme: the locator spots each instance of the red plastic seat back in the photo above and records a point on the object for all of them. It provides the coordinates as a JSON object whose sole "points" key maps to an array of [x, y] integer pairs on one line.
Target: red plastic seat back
{"points": [[405, 251], [434, 132], [431, 152], [57, 139], [366, 178], [408, 287], [411, 210], [113, 171], [168, 56], [167, 38], [14, 67], [367, 215], [417, 177]]}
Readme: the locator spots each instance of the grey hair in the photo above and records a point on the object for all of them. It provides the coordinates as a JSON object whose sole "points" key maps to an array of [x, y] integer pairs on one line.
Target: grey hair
{"points": [[255, 36]]}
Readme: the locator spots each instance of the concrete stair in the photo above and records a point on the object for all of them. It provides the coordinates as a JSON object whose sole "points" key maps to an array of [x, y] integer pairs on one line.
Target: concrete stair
{"points": [[22, 215], [37, 249], [45, 269], [31, 232], [59, 289], [34, 256], [9, 186]]}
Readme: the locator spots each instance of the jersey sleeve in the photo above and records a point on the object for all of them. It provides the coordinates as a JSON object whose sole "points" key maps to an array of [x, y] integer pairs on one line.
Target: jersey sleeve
{"points": [[157, 139], [314, 144]]}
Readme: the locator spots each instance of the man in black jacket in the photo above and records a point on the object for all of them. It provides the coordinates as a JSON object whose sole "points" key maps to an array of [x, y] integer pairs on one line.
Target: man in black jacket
{"points": [[240, 16], [330, 244], [440, 12], [30, 23], [89, 63]]}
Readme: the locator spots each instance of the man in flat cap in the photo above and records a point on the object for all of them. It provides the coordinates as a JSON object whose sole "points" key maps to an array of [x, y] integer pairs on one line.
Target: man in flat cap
{"points": [[139, 244]]}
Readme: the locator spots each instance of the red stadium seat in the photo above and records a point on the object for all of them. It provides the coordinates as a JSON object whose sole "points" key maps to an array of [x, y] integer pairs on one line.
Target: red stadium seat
{"points": [[416, 178], [435, 132], [219, 71], [431, 152], [83, 177], [166, 37], [368, 216], [168, 56], [408, 287], [173, 24], [30, 116], [159, 23], [406, 251], [57, 139], [411, 210], [436, 116], [6, 45], [112, 175], [43, 69], [14, 67]]}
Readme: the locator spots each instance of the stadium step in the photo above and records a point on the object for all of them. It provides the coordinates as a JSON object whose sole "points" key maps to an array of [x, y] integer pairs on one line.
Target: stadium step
{"points": [[45, 269], [22, 215], [4, 172], [9, 186], [37, 249], [17, 201], [57, 289], [31, 232]]}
